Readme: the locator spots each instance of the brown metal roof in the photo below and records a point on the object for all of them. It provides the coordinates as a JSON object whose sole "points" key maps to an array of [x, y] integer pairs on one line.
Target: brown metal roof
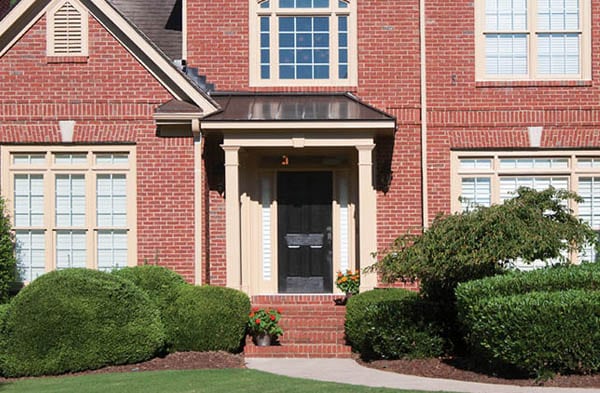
{"points": [[293, 107], [176, 106]]}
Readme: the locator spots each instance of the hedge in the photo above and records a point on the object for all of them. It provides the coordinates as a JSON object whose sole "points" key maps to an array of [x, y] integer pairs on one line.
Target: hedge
{"points": [[78, 319], [586, 276], [207, 318], [539, 332], [392, 323]]}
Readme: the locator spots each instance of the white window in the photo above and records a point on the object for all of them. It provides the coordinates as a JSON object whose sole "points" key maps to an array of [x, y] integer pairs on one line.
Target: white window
{"points": [[303, 42], [533, 39], [67, 29], [71, 208], [483, 181]]}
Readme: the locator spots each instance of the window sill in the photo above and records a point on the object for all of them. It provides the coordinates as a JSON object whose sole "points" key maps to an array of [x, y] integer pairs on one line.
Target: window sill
{"points": [[524, 83], [66, 59]]}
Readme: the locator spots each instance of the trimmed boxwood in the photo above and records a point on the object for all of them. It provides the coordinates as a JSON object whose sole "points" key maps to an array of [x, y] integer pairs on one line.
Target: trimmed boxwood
{"points": [[586, 276], [392, 323], [539, 332], [78, 319], [207, 318], [162, 286]]}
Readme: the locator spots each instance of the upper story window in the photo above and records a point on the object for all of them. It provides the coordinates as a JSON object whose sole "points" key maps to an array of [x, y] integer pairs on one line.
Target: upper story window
{"points": [[67, 29], [303, 43], [533, 39]]}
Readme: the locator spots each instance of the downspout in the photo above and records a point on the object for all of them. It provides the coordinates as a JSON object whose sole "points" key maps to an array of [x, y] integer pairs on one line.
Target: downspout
{"points": [[423, 58]]}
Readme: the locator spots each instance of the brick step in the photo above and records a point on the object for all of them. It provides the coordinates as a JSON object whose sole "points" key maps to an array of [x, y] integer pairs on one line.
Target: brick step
{"points": [[313, 337], [298, 351]]}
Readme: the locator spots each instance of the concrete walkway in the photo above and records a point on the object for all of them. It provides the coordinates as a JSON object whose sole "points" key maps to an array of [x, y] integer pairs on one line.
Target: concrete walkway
{"points": [[348, 371]]}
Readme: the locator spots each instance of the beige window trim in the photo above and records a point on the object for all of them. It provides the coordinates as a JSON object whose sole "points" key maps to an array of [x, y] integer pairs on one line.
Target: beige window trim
{"points": [[56, 29], [585, 48], [274, 12], [49, 169]]}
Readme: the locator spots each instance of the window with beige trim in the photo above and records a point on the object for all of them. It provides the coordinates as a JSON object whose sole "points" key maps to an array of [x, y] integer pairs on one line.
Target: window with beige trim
{"points": [[71, 206], [486, 178], [67, 29], [533, 39], [303, 43]]}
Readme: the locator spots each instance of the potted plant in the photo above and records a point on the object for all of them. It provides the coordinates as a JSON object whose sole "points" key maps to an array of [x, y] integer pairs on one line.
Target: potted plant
{"points": [[349, 283], [263, 325]]}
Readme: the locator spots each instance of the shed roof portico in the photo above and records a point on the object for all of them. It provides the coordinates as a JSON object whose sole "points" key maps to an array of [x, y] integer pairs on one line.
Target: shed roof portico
{"points": [[313, 125]]}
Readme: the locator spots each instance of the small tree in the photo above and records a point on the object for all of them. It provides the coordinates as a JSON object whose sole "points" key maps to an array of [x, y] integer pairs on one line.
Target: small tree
{"points": [[8, 261], [484, 241]]}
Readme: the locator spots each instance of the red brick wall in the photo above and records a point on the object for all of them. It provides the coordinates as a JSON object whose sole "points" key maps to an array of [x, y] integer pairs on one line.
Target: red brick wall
{"points": [[463, 113], [112, 98], [388, 72]]}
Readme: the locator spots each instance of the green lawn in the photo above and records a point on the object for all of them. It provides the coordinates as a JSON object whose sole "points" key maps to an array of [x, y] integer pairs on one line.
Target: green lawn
{"points": [[197, 381]]}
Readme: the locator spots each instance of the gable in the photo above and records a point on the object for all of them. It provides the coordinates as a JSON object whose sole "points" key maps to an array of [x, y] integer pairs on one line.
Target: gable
{"points": [[30, 12]]}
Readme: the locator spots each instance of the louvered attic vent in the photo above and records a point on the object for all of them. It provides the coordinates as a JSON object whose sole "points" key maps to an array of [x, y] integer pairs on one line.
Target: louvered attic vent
{"points": [[68, 31]]}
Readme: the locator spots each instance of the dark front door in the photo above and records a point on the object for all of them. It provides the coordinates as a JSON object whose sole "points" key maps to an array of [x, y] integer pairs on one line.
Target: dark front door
{"points": [[304, 232]]}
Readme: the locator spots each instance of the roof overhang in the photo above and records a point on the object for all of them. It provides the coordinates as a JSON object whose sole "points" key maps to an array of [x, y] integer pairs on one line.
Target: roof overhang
{"points": [[296, 111], [27, 12]]}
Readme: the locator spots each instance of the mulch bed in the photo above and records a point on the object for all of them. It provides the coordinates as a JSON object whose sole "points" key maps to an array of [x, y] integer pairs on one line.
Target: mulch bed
{"points": [[174, 361], [462, 369]]}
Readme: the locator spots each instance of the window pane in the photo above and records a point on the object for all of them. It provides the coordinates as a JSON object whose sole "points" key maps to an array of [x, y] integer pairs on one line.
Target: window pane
{"points": [[303, 3], [264, 4], [506, 54], [509, 185], [112, 250], [31, 254], [112, 158], [111, 202], [476, 163], [589, 210], [70, 200], [475, 191], [29, 200], [343, 47], [30, 159], [62, 158], [304, 47], [506, 15], [558, 15], [71, 249], [265, 48], [558, 54]]}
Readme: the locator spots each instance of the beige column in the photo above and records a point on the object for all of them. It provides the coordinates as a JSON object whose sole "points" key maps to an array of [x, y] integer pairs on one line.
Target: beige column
{"points": [[232, 217], [197, 203], [367, 215]]}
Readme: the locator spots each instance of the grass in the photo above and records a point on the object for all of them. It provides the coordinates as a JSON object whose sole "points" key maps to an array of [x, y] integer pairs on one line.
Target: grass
{"points": [[195, 381]]}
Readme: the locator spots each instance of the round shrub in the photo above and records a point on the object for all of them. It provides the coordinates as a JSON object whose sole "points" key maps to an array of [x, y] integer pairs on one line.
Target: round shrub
{"points": [[78, 319], [392, 323], [539, 332], [207, 318], [161, 284]]}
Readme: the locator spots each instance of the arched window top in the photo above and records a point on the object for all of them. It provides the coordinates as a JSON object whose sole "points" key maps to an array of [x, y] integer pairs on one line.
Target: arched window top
{"points": [[67, 29]]}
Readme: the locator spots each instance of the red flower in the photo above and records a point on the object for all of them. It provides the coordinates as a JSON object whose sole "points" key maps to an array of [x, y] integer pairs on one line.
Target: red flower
{"points": [[272, 317], [279, 311], [251, 314], [257, 321]]}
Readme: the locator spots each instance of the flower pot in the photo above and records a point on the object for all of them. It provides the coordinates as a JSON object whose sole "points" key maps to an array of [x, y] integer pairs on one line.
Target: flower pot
{"points": [[262, 340]]}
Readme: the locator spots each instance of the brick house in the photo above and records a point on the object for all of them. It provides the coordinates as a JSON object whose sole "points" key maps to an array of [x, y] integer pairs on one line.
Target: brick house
{"points": [[318, 132]]}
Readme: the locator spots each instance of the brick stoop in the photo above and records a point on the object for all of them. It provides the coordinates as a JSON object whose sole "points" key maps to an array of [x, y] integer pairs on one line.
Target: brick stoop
{"points": [[313, 327]]}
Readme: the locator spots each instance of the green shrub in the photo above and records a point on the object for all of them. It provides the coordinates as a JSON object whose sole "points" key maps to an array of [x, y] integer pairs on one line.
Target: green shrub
{"points": [[208, 318], [78, 319], [539, 332], [557, 278], [8, 261], [392, 323], [160, 284]]}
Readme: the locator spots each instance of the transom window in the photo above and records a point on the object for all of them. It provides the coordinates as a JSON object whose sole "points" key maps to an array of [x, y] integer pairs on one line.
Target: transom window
{"points": [[303, 42], [482, 179], [533, 39], [71, 208]]}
